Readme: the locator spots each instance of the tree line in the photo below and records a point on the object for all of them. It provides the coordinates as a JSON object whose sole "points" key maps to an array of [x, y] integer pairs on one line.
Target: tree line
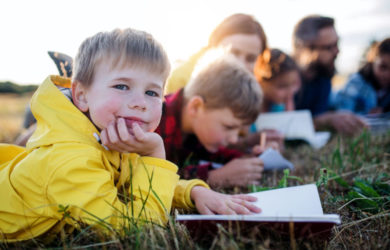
{"points": [[10, 87]]}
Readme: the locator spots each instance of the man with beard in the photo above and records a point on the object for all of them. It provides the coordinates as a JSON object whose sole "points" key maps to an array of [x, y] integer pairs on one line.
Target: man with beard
{"points": [[315, 49]]}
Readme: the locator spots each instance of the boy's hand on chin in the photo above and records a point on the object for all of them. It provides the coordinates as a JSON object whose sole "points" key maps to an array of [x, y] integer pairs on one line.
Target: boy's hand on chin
{"points": [[117, 137], [210, 202]]}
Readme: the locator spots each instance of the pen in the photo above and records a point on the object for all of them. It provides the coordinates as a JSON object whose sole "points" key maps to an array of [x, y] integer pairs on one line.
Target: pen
{"points": [[263, 138]]}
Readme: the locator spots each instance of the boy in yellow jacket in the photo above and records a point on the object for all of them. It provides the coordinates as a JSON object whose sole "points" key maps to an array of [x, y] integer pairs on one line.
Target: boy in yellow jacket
{"points": [[117, 89]]}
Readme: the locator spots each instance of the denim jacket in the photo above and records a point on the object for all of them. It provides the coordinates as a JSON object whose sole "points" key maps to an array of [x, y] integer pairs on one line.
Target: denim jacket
{"points": [[357, 96]]}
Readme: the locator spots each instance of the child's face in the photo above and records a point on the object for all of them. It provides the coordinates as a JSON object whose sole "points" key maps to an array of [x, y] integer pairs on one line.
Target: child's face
{"points": [[246, 47], [282, 88], [134, 94], [381, 68], [216, 128]]}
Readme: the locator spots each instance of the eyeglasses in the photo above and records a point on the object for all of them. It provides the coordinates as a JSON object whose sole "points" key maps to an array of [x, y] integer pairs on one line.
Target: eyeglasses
{"points": [[327, 47]]}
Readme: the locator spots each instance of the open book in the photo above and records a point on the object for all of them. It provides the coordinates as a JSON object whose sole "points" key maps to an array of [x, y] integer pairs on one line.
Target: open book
{"points": [[299, 205], [294, 125]]}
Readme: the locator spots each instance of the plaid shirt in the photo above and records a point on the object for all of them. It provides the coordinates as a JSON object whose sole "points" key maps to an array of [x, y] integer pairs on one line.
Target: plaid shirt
{"points": [[184, 149]]}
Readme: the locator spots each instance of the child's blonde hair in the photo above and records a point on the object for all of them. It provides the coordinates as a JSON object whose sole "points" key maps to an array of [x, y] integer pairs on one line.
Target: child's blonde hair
{"points": [[120, 48], [273, 63], [226, 83]]}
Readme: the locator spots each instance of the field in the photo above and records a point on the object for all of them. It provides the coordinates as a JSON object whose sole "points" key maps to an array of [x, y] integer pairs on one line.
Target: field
{"points": [[353, 175], [12, 109]]}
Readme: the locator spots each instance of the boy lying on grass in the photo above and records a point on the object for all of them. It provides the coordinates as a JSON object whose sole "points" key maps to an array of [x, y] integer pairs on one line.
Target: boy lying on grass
{"points": [[200, 121], [203, 119], [117, 90]]}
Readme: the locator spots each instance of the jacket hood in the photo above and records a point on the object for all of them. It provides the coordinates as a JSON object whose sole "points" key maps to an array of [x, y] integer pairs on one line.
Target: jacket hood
{"points": [[55, 113]]}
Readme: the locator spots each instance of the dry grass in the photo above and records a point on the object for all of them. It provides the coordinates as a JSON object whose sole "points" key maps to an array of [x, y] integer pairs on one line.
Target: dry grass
{"points": [[12, 109], [365, 158]]}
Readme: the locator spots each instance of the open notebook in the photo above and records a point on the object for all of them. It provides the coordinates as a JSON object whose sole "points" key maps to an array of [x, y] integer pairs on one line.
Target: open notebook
{"points": [[300, 205], [294, 125]]}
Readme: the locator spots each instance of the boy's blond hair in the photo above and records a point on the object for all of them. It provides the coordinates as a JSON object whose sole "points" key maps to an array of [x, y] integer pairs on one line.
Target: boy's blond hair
{"points": [[120, 48], [226, 83]]}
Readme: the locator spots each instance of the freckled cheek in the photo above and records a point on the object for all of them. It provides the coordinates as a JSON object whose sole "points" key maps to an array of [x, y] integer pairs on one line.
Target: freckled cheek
{"points": [[155, 112], [114, 105], [154, 120], [106, 111]]}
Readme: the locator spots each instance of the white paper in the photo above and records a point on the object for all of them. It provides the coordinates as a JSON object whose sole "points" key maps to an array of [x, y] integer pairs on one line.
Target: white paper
{"points": [[273, 160], [292, 201], [293, 125], [320, 139]]}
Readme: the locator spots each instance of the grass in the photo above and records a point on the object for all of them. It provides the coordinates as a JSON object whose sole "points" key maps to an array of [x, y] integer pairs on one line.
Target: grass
{"points": [[353, 175], [12, 107]]}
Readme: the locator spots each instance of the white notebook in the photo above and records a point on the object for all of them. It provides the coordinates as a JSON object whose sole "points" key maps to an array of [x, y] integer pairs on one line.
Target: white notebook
{"points": [[298, 204], [293, 125]]}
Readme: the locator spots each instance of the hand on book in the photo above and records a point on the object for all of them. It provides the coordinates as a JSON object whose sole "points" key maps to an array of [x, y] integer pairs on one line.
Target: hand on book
{"points": [[208, 201]]}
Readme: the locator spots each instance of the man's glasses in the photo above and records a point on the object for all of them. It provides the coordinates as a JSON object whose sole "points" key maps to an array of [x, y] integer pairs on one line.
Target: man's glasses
{"points": [[327, 47]]}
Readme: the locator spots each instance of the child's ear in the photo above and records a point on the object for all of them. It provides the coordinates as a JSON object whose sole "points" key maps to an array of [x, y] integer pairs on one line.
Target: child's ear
{"points": [[195, 105], [79, 96]]}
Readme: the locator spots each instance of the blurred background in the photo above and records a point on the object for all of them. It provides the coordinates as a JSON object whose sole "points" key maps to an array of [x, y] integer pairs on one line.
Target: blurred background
{"points": [[30, 28]]}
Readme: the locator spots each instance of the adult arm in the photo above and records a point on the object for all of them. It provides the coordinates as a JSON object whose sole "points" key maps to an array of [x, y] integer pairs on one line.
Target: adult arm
{"points": [[345, 123]]}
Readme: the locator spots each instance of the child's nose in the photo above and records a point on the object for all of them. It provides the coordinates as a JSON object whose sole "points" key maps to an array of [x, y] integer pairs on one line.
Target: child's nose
{"points": [[233, 138], [137, 102]]}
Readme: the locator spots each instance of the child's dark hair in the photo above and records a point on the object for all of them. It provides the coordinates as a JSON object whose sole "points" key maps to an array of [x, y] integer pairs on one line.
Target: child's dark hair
{"points": [[376, 49], [273, 63]]}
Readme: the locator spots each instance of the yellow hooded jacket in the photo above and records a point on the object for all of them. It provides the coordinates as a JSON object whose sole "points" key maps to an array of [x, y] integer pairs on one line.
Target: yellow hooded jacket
{"points": [[65, 165]]}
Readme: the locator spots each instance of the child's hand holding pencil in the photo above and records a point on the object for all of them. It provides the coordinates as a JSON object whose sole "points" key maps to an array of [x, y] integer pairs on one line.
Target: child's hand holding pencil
{"points": [[266, 142]]}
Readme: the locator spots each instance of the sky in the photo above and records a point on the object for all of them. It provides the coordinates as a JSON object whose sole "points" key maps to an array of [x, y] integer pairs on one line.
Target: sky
{"points": [[31, 28]]}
